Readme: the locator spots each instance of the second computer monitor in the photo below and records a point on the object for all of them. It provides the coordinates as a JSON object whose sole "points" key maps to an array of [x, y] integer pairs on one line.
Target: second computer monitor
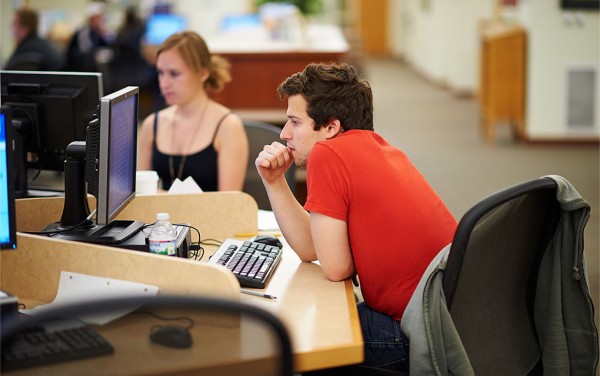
{"points": [[52, 109], [113, 182]]}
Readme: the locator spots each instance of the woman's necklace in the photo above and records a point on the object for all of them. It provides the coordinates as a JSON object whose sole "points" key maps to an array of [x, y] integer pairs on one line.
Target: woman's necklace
{"points": [[181, 164]]}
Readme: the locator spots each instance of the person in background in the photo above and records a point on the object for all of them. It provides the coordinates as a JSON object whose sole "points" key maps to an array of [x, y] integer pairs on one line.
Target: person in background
{"points": [[131, 31], [81, 51], [194, 136], [127, 66], [369, 211], [31, 52]]}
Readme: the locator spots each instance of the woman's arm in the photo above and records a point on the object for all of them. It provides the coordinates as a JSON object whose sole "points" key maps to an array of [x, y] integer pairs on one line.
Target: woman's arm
{"points": [[231, 144]]}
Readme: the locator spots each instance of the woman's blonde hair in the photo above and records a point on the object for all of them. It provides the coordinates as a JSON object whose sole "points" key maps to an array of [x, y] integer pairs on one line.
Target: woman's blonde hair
{"points": [[195, 53]]}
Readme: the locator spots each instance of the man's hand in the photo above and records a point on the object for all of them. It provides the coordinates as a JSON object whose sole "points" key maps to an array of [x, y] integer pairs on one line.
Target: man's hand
{"points": [[273, 161]]}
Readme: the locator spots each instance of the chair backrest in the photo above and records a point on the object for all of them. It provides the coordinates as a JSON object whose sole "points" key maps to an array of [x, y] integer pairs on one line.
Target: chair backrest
{"points": [[224, 336], [259, 135], [491, 272]]}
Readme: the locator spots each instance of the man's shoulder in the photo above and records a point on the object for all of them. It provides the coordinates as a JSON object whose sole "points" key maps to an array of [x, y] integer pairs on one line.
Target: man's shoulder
{"points": [[351, 139]]}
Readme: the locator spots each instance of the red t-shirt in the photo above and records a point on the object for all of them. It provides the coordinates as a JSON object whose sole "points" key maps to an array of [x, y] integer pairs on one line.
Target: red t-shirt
{"points": [[396, 222]]}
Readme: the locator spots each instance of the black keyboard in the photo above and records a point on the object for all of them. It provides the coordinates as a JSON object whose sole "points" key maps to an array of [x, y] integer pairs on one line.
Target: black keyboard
{"points": [[252, 263], [55, 342]]}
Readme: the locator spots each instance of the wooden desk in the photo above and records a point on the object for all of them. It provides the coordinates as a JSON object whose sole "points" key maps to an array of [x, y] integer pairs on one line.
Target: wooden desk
{"points": [[502, 78], [320, 315]]}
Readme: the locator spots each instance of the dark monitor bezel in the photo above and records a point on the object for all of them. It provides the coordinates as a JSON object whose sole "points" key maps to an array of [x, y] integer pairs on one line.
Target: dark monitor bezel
{"points": [[91, 80], [5, 111], [104, 213]]}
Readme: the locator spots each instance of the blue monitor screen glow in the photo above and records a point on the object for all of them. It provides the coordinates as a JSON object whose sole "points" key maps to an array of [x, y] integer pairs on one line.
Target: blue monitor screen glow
{"points": [[160, 26], [7, 208]]}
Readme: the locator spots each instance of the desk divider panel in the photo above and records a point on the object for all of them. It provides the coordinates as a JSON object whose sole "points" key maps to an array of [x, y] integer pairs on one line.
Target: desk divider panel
{"points": [[32, 271], [33, 214], [216, 215]]}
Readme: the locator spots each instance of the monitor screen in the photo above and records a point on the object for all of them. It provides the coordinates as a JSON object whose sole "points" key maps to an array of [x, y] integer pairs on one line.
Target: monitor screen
{"points": [[50, 110], [8, 235], [160, 26], [117, 150]]}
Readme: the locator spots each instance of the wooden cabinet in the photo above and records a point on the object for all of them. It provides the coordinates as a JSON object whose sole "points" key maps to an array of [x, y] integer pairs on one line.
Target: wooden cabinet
{"points": [[502, 80], [256, 76]]}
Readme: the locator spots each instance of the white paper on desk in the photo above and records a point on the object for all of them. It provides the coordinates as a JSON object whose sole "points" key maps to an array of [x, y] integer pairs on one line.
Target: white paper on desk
{"points": [[188, 185], [78, 288], [267, 221]]}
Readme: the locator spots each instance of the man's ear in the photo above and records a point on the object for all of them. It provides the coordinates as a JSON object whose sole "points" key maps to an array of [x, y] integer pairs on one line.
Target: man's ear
{"points": [[333, 128]]}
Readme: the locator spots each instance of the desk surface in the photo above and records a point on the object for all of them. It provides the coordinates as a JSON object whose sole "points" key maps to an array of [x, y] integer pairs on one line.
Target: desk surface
{"points": [[320, 315]]}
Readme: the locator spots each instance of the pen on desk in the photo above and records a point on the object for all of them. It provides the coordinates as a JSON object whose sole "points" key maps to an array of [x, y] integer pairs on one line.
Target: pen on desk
{"points": [[260, 294]]}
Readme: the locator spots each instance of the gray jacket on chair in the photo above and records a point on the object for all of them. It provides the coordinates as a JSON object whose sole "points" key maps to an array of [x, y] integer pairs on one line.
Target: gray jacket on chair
{"points": [[564, 313], [563, 308]]}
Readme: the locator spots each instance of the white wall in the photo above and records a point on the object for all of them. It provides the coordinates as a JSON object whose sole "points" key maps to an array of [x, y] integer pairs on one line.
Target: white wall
{"points": [[440, 39], [555, 45]]}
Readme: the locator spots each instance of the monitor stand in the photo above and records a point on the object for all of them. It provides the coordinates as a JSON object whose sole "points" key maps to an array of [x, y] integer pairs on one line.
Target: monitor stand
{"points": [[122, 234], [113, 233]]}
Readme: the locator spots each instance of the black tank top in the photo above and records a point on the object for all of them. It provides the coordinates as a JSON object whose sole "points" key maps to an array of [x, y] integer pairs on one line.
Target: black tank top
{"points": [[201, 166]]}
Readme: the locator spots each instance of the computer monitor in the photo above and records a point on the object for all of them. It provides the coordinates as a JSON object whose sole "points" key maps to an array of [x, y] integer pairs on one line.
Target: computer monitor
{"points": [[50, 110], [160, 26], [107, 162], [8, 234], [112, 182]]}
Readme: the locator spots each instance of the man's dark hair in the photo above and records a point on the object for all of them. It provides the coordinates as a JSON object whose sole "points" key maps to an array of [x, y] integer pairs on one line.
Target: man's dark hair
{"points": [[28, 19], [332, 92]]}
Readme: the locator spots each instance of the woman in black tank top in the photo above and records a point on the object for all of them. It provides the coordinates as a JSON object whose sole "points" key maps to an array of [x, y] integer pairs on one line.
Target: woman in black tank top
{"points": [[194, 136]]}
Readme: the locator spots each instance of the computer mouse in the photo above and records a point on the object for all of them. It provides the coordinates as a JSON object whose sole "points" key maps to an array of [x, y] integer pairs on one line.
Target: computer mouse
{"points": [[174, 336], [268, 240]]}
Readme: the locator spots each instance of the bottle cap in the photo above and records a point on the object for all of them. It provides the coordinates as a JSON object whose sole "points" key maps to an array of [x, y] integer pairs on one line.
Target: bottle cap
{"points": [[162, 216]]}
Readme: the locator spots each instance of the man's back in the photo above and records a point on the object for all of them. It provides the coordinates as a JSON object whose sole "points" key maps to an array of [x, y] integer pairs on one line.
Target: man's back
{"points": [[396, 222]]}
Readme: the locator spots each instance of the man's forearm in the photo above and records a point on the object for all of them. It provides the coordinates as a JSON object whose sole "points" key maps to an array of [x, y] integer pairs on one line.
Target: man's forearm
{"points": [[293, 220]]}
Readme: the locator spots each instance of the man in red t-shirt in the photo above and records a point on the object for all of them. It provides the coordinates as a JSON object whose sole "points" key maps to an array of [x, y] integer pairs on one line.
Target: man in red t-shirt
{"points": [[369, 211]]}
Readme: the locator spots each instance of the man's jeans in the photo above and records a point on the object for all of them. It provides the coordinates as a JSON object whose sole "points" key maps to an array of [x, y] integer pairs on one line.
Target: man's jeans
{"points": [[385, 344]]}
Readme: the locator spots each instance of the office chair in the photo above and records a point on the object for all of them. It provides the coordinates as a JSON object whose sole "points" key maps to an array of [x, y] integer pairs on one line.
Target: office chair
{"points": [[213, 337], [496, 282], [259, 135]]}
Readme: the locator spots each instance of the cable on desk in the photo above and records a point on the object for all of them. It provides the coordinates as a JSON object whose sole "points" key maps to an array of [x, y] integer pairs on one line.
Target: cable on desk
{"points": [[214, 242], [86, 221]]}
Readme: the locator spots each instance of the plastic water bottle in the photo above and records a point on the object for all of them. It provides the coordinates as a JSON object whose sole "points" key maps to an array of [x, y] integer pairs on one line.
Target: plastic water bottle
{"points": [[163, 236]]}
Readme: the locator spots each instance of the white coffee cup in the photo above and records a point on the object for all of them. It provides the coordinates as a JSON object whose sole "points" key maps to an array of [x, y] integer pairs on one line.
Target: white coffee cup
{"points": [[146, 182]]}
